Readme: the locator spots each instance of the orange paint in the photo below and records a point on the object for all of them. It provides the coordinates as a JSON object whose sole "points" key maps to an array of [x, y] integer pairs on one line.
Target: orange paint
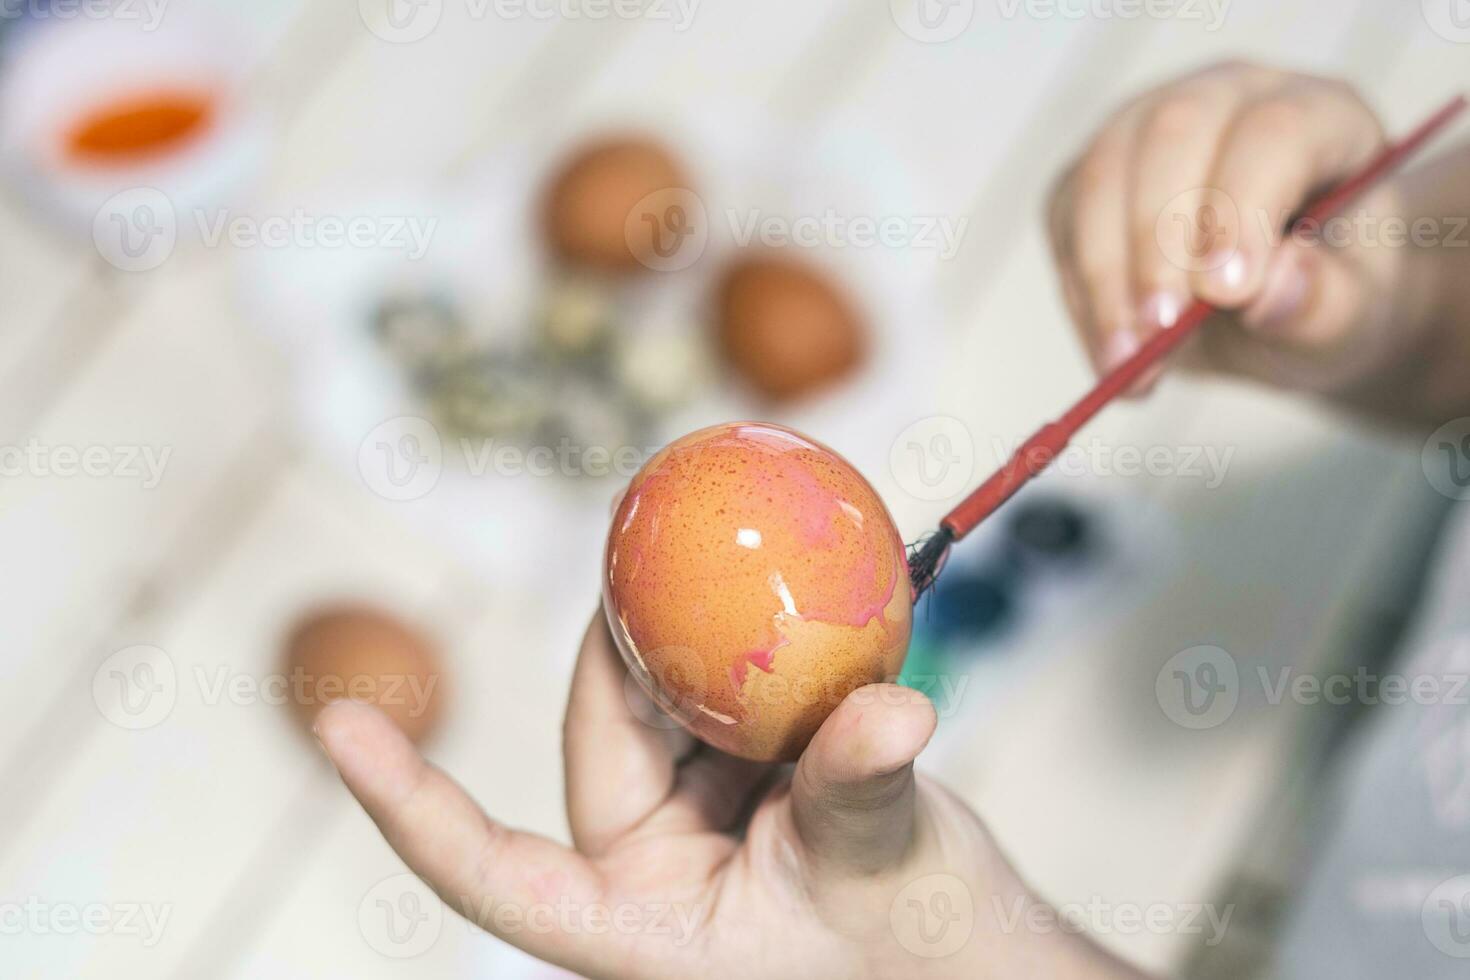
{"points": [[748, 545], [139, 126]]}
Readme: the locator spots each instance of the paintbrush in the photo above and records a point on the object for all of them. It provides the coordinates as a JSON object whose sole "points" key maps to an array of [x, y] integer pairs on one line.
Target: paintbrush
{"points": [[927, 558]]}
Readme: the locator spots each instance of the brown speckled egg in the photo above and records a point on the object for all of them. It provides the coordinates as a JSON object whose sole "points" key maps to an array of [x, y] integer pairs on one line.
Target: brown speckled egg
{"points": [[753, 579], [587, 204], [364, 655], [785, 327]]}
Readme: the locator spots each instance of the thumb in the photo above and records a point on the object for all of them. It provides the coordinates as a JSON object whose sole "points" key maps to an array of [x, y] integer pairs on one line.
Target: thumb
{"points": [[1319, 286], [852, 796], [1314, 326], [1291, 303]]}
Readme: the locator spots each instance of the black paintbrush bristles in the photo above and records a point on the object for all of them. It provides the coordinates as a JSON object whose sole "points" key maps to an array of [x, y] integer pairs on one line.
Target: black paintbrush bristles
{"points": [[926, 560]]}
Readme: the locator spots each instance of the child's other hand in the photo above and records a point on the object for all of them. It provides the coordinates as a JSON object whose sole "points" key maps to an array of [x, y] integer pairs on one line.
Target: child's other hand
{"points": [[1185, 193], [690, 863]]}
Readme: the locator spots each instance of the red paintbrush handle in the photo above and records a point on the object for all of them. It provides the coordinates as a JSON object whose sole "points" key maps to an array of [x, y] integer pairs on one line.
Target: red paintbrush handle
{"points": [[1037, 452]]}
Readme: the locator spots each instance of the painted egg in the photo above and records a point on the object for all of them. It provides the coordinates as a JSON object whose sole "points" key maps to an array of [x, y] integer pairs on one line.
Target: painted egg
{"points": [[753, 579]]}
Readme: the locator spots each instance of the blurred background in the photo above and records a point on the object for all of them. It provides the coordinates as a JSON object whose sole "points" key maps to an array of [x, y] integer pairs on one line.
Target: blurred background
{"points": [[331, 328]]}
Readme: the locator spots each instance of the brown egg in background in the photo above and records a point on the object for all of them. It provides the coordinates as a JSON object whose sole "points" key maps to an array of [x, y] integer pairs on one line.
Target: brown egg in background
{"points": [[786, 327], [366, 655], [586, 205]]}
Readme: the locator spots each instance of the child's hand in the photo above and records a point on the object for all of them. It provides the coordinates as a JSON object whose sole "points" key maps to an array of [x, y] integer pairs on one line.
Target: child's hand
{"points": [[1185, 193], [690, 863]]}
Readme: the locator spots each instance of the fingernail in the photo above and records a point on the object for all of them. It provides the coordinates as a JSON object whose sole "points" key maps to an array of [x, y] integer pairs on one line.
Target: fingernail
{"points": [[1120, 346], [1161, 310], [316, 720], [1228, 273], [1282, 298]]}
